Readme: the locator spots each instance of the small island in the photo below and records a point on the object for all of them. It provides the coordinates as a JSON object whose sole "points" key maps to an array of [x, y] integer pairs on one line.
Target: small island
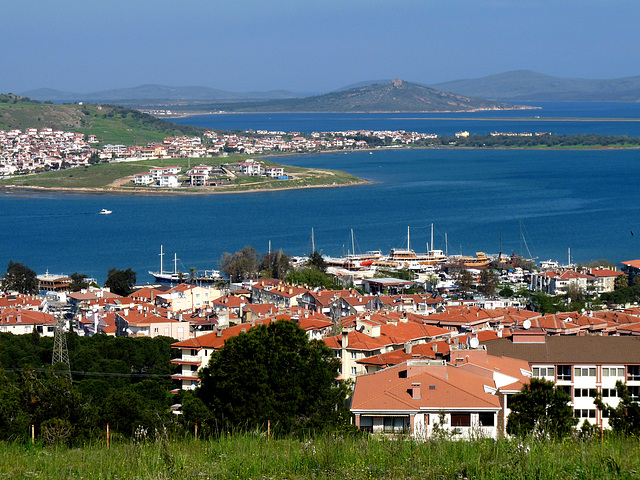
{"points": [[231, 174]]}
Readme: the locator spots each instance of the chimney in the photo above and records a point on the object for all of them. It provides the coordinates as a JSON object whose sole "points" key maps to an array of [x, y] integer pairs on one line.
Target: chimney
{"points": [[415, 391], [345, 339], [408, 348]]}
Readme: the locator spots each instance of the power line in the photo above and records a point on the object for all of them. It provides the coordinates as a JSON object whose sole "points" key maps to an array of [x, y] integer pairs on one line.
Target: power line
{"points": [[98, 374]]}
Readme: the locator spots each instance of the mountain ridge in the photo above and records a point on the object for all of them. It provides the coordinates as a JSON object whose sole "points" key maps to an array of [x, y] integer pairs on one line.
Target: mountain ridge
{"points": [[527, 85]]}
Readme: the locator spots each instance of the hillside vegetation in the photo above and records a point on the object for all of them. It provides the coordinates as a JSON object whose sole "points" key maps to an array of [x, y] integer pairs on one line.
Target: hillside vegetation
{"points": [[394, 96], [111, 124]]}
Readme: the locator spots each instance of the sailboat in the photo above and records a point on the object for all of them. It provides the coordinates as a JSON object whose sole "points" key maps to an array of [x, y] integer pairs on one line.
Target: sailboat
{"points": [[162, 276]]}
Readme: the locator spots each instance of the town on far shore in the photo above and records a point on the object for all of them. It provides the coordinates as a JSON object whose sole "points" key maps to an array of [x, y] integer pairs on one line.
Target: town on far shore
{"points": [[430, 341], [38, 151]]}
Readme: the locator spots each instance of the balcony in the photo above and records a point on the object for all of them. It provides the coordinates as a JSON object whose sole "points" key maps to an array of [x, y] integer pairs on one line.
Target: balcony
{"points": [[187, 360]]}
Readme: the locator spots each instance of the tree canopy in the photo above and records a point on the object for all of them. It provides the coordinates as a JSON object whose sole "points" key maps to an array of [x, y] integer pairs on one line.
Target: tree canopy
{"points": [[240, 265], [274, 265], [624, 418], [121, 282], [20, 278], [542, 408], [274, 373], [316, 261]]}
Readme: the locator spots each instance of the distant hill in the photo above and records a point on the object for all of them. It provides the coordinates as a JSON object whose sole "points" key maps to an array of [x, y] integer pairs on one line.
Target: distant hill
{"points": [[393, 96], [525, 85], [110, 123], [154, 93]]}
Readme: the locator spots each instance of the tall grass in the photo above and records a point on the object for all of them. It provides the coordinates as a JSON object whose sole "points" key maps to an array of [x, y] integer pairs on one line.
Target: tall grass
{"points": [[253, 456]]}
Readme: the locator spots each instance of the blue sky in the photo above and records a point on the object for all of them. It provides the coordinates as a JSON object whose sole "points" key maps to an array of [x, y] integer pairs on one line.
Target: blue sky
{"points": [[303, 46]]}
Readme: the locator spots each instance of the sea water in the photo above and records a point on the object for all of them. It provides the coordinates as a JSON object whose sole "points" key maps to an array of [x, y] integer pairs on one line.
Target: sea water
{"points": [[541, 202]]}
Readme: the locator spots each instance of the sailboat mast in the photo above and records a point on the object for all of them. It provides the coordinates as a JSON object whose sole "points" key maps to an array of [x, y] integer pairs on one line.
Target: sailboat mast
{"points": [[408, 239], [313, 242], [175, 263], [161, 255], [521, 251], [353, 245], [432, 247], [446, 245]]}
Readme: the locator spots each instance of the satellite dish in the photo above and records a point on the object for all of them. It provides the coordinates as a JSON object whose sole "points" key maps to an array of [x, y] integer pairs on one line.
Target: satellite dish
{"points": [[474, 342], [526, 324]]}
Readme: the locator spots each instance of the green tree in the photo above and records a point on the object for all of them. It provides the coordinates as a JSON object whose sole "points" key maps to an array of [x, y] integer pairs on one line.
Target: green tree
{"points": [[464, 279], [78, 281], [274, 373], [240, 265], [121, 282], [20, 278], [316, 261], [313, 277], [506, 292], [274, 265], [622, 281], [540, 408], [625, 417], [488, 281]]}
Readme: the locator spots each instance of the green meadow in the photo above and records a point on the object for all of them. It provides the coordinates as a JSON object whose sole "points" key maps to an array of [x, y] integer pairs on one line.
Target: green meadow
{"points": [[254, 456]]}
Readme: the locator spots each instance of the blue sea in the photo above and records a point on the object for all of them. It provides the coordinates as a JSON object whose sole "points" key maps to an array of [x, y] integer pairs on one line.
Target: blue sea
{"points": [[543, 203]]}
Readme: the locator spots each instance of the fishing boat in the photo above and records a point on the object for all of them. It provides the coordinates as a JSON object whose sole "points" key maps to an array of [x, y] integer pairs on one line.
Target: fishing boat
{"points": [[104, 211]]}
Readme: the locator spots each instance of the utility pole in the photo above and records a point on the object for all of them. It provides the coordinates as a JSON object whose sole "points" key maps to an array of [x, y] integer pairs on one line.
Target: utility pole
{"points": [[60, 351]]}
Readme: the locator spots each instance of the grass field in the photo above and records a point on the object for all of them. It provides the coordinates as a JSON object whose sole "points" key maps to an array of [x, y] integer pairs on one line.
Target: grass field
{"points": [[252, 456]]}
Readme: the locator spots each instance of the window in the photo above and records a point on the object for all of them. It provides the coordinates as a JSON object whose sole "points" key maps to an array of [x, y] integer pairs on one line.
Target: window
{"points": [[486, 419], [155, 330], [460, 419], [585, 371], [564, 372], [366, 424], [565, 388], [609, 392], [353, 370], [338, 354], [584, 392], [634, 372], [635, 392], [396, 424], [585, 413], [543, 372], [354, 355], [613, 371]]}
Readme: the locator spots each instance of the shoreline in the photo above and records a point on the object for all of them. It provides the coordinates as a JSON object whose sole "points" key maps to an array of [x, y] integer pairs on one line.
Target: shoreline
{"points": [[147, 192]]}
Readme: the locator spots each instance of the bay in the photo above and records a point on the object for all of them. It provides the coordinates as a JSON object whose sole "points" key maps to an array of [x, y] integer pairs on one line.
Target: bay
{"points": [[583, 200]]}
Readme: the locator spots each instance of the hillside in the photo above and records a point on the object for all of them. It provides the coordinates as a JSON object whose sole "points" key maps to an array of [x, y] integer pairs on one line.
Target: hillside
{"points": [[111, 124], [525, 85], [394, 96]]}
